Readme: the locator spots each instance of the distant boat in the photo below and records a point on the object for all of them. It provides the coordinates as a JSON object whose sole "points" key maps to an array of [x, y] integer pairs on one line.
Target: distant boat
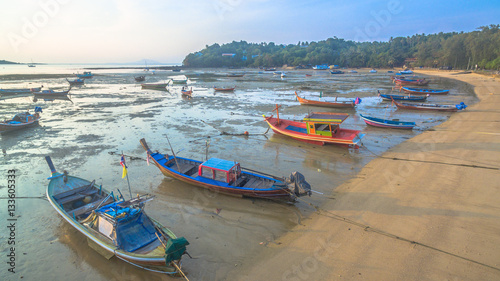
{"points": [[85, 75], [5, 92], [431, 107], [31, 64], [234, 75], [308, 75], [218, 89], [384, 123], [270, 69], [402, 97], [390, 71], [337, 72], [373, 71], [155, 86], [317, 128], [406, 71], [421, 91], [179, 81], [321, 67], [140, 78], [187, 93], [335, 104], [20, 121], [176, 70], [76, 82], [283, 74], [228, 177], [52, 95], [418, 82], [353, 71]]}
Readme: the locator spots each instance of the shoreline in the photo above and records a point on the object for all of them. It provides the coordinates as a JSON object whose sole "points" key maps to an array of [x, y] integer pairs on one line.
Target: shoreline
{"points": [[424, 210]]}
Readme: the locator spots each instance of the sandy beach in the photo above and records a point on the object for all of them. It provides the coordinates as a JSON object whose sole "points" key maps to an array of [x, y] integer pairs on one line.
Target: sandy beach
{"points": [[427, 209]]}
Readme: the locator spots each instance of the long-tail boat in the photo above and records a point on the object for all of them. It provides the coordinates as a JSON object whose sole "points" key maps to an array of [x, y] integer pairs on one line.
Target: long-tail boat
{"points": [[186, 92], [429, 106], [117, 227], [419, 82], [421, 91], [390, 97], [234, 75], [219, 89], [51, 94], [155, 86], [317, 128], [384, 123], [85, 75], [140, 78], [20, 121], [228, 177], [75, 82], [5, 92], [335, 104]]}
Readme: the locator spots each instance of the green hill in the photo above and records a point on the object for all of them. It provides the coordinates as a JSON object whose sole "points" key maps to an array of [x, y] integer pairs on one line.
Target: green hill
{"points": [[458, 50]]}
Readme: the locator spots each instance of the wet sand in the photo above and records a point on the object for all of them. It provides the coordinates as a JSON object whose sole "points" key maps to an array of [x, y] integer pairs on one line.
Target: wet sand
{"points": [[428, 209], [110, 113]]}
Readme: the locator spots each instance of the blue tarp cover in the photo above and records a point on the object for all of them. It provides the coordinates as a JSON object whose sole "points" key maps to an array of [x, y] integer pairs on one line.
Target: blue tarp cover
{"points": [[219, 164]]}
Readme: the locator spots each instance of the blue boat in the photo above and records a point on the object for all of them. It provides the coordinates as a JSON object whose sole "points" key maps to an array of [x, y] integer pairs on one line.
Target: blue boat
{"points": [[402, 97], [337, 72], [421, 91], [384, 123], [228, 177], [405, 72]]}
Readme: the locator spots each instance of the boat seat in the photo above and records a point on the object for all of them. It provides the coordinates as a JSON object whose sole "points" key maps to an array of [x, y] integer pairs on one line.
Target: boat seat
{"points": [[74, 190], [250, 183]]}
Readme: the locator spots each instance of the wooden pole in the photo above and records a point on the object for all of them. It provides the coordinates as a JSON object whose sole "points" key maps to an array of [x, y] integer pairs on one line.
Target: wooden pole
{"points": [[173, 153], [128, 182]]}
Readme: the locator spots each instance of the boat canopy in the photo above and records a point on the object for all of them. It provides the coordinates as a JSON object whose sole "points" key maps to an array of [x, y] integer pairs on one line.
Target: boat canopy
{"points": [[327, 117], [220, 170], [129, 228]]}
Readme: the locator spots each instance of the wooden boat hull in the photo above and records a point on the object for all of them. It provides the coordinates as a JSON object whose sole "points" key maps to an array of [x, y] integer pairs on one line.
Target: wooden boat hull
{"points": [[391, 124], [152, 262], [428, 107], [274, 191], [5, 92], [51, 95], [162, 86], [418, 91], [343, 136], [420, 82], [224, 89], [5, 127], [402, 97], [303, 101]]}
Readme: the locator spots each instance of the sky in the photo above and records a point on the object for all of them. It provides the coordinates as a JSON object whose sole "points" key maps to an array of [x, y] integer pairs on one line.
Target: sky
{"points": [[121, 31]]}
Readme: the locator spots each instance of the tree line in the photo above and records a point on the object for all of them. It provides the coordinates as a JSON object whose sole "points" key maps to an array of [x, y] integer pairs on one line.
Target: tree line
{"points": [[454, 49]]}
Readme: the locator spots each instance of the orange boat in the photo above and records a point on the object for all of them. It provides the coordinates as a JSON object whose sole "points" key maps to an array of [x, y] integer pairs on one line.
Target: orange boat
{"points": [[341, 104], [317, 128], [187, 93]]}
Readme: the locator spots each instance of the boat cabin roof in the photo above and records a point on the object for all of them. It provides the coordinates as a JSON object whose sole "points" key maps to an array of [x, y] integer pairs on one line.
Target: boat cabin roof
{"points": [[219, 164], [328, 117]]}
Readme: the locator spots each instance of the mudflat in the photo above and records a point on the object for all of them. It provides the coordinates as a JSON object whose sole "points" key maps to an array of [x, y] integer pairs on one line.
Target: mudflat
{"points": [[427, 209]]}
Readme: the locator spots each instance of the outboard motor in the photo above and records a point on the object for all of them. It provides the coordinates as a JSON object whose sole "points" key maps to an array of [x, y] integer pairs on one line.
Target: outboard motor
{"points": [[298, 185]]}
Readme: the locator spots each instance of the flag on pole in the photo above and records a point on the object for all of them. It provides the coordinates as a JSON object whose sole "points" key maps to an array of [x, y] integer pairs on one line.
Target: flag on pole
{"points": [[147, 157], [357, 100], [122, 162]]}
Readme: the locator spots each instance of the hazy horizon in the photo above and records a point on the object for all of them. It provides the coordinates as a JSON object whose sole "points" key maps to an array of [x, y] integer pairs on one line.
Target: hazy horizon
{"points": [[112, 31]]}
